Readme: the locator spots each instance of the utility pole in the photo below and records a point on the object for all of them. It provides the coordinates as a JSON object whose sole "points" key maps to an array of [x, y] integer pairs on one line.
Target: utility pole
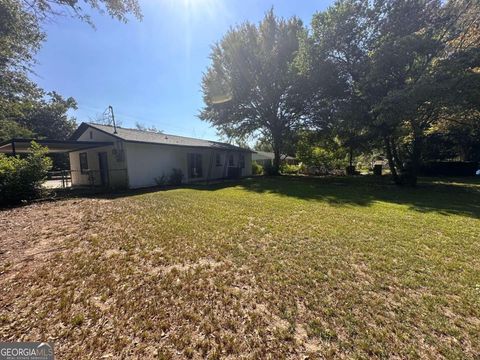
{"points": [[113, 119]]}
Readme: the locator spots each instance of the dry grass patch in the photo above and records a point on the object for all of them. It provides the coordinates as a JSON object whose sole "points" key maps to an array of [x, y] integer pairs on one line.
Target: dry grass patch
{"points": [[269, 268]]}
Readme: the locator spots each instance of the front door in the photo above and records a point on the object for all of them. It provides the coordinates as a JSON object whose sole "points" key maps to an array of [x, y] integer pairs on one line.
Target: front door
{"points": [[103, 165]]}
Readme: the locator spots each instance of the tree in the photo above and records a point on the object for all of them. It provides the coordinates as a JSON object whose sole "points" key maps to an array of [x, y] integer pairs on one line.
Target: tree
{"points": [[252, 87], [47, 9], [143, 127], [320, 151], [394, 59], [25, 109]]}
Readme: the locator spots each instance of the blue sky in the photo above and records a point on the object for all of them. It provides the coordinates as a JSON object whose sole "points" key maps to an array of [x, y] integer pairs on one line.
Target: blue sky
{"points": [[150, 71]]}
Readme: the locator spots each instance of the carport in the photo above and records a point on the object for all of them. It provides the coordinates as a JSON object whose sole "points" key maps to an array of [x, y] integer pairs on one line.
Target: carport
{"points": [[62, 178], [21, 146]]}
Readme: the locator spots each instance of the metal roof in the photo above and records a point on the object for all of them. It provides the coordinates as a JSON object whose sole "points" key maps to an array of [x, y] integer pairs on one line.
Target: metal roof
{"points": [[151, 137], [264, 155]]}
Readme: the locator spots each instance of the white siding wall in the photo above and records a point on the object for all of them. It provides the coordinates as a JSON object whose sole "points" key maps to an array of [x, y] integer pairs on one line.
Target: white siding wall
{"points": [[149, 161], [117, 169], [142, 163], [96, 136], [117, 164]]}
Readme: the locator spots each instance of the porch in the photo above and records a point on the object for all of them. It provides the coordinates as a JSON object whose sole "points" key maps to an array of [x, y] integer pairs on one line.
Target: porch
{"points": [[92, 163]]}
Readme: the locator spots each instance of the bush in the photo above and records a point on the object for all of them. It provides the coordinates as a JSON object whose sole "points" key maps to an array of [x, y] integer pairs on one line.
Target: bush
{"points": [[161, 180], [322, 161], [257, 169], [269, 170], [22, 178], [290, 169], [449, 168], [175, 178]]}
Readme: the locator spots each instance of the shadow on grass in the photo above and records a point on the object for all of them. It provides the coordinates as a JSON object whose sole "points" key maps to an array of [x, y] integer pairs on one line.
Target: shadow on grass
{"points": [[445, 196]]}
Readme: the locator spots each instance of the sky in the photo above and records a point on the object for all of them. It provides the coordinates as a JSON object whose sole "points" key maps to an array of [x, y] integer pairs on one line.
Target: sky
{"points": [[150, 71]]}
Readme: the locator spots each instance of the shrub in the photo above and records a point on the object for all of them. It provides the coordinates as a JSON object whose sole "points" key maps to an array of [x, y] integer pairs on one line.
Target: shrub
{"points": [[322, 161], [257, 169], [176, 177], [22, 178], [449, 168], [161, 180], [290, 169], [269, 170]]}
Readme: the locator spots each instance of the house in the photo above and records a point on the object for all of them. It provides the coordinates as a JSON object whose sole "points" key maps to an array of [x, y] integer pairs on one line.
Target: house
{"points": [[263, 158], [110, 156]]}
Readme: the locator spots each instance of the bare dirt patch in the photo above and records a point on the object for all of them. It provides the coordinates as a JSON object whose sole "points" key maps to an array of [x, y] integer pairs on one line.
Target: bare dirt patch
{"points": [[30, 235]]}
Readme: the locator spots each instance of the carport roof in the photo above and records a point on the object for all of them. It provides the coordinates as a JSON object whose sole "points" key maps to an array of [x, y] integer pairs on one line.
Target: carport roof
{"points": [[54, 146]]}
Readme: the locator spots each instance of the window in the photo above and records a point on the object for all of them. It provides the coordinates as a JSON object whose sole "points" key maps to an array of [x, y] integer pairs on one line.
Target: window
{"points": [[231, 161], [241, 161], [195, 166], [83, 163], [218, 160], [91, 135]]}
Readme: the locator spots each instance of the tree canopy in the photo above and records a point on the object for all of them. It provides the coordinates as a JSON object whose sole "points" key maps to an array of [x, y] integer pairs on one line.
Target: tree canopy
{"points": [[403, 65], [25, 109], [401, 76], [252, 86]]}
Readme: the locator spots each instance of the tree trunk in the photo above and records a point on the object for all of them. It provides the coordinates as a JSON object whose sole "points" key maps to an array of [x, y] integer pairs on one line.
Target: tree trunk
{"points": [[415, 159], [391, 163], [276, 160], [396, 158]]}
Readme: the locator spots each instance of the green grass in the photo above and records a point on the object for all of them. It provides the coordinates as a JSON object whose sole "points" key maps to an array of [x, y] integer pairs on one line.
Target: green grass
{"points": [[265, 268]]}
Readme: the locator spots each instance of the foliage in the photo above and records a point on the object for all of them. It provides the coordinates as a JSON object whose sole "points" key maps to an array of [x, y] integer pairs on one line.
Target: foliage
{"points": [[22, 178], [269, 169], [143, 127], [26, 109], [175, 178], [257, 169], [290, 169], [119, 9], [20, 39], [10, 129], [400, 66], [251, 86], [323, 155], [161, 180], [449, 168]]}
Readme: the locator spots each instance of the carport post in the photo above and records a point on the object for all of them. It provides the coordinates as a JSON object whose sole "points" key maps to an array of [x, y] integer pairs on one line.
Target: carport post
{"points": [[13, 148]]}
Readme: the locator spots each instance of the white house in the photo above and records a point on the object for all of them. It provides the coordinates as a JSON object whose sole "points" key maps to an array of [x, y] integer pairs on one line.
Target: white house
{"points": [[118, 157], [266, 158], [136, 157]]}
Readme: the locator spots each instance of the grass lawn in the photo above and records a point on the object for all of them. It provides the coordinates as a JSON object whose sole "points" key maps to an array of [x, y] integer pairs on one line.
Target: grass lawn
{"points": [[264, 268]]}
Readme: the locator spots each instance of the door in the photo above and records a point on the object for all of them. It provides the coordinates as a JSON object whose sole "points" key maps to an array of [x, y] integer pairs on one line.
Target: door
{"points": [[103, 165]]}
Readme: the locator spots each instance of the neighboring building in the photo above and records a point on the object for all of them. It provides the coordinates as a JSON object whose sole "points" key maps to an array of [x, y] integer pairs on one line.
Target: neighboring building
{"points": [[263, 158], [101, 155]]}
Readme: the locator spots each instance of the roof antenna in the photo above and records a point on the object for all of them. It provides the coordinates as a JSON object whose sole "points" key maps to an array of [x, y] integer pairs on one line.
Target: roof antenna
{"points": [[113, 119]]}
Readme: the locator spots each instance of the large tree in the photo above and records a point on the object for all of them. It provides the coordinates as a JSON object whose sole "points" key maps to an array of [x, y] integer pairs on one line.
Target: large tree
{"points": [[252, 86], [400, 62], [25, 109]]}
